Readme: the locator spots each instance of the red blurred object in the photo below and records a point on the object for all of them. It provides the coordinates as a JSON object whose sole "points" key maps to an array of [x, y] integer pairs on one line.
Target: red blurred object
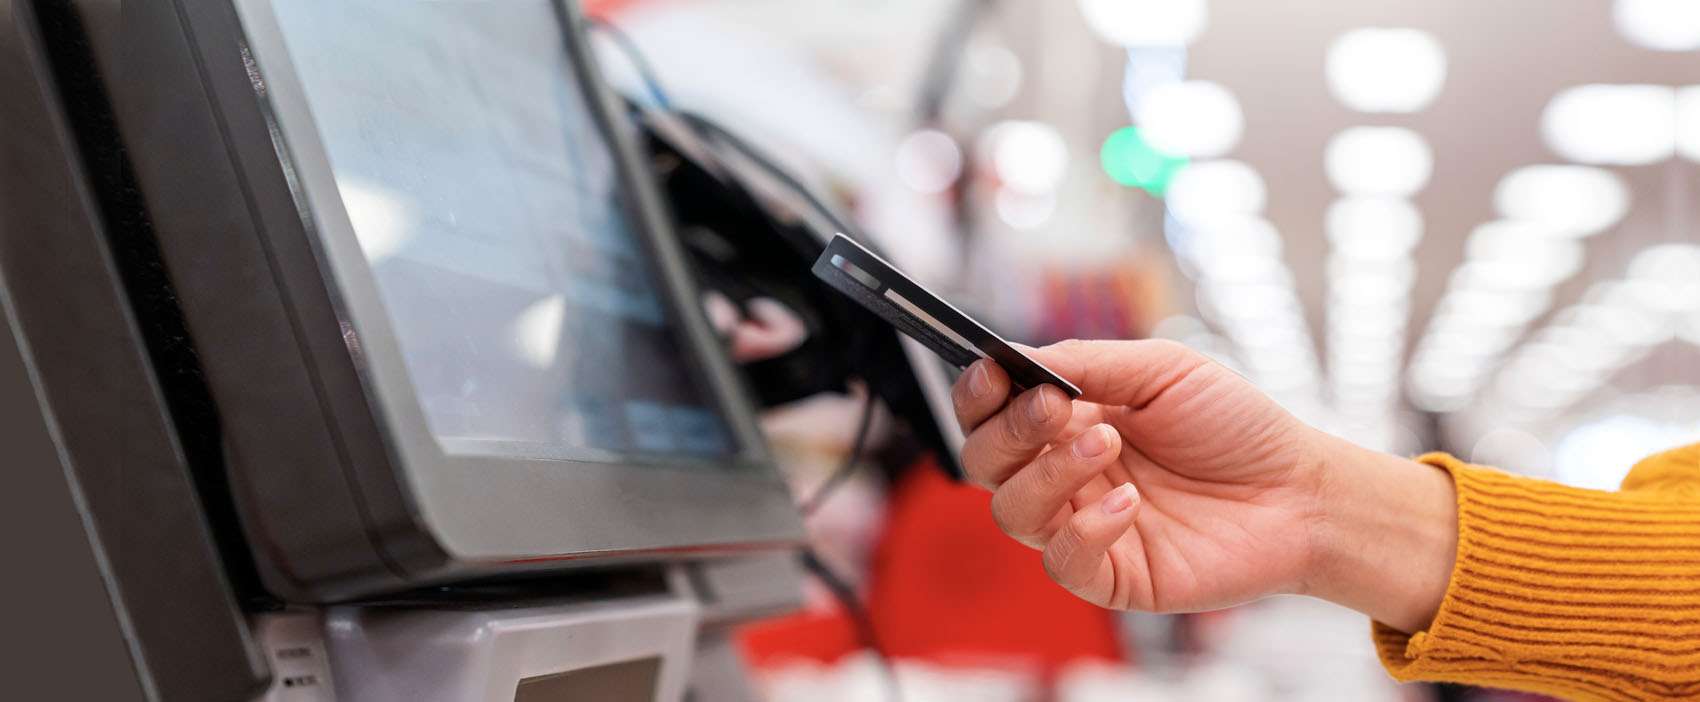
{"points": [[947, 587], [605, 8]]}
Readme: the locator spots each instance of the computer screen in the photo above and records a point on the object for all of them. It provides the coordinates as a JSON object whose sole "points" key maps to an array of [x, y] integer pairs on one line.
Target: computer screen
{"points": [[486, 199]]}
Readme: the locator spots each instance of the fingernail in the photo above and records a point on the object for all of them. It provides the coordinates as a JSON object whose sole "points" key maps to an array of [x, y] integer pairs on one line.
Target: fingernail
{"points": [[1091, 442], [1120, 499], [1039, 410], [979, 381]]}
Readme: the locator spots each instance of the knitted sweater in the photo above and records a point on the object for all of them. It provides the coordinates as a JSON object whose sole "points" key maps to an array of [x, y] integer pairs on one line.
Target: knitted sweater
{"points": [[1581, 594]]}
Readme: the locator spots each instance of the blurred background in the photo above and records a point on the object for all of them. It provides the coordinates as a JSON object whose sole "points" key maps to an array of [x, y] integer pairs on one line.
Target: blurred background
{"points": [[1444, 225]]}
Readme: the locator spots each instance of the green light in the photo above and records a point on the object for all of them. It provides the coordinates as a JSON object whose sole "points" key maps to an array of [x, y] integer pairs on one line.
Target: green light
{"points": [[1129, 160]]}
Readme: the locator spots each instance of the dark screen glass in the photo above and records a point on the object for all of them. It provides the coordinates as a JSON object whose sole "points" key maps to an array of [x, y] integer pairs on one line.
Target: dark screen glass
{"points": [[486, 199]]}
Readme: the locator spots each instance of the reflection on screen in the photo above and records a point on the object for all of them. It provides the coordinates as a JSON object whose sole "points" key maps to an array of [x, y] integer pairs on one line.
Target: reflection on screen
{"points": [[487, 203]]}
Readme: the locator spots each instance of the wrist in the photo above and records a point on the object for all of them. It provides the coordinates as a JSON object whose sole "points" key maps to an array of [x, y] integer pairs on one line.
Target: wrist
{"points": [[1385, 535]]}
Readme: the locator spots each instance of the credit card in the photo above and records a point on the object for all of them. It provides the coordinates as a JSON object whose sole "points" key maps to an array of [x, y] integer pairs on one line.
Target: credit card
{"points": [[852, 269]]}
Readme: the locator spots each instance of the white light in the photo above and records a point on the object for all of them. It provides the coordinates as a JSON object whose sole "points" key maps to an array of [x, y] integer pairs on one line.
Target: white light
{"points": [[1378, 161], [1598, 454], [1025, 211], [1402, 269], [1028, 156], [1146, 22], [1479, 307], [1568, 200], [1198, 119], [1227, 236], [1688, 122], [1516, 450], [1515, 243], [1690, 329], [1373, 227], [993, 77], [929, 161], [1243, 303], [537, 331], [381, 222], [1660, 25], [1386, 70], [1368, 290], [1246, 270], [1630, 327], [1208, 188], [1625, 125], [1668, 276], [1514, 275]]}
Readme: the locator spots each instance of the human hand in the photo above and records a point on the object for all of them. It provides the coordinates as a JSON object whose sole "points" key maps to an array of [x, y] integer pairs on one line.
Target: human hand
{"points": [[771, 329], [1236, 499]]}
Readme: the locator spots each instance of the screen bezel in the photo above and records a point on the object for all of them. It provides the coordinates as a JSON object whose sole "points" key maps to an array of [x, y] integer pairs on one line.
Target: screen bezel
{"points": [[500, 508]]}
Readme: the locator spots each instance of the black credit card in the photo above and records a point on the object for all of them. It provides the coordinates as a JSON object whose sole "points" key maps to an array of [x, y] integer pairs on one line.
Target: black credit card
{"points": [[859, 273]]}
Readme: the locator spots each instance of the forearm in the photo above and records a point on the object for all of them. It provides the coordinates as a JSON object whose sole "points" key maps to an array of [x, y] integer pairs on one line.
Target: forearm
{"points": [[1569, 592], [1385, 536]]}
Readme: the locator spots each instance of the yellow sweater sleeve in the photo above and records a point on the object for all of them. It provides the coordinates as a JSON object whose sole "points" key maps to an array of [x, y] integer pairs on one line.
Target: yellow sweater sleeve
{"points": [[1580, 594]]}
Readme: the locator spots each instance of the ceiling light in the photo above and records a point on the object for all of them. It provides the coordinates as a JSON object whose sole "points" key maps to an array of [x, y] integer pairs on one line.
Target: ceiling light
{"points": [[1208, 188], [1513, 243], [1599, 453], [1368, 290], [1620, 325], [1626, 125], [1146, 22], [1259, 301], [1149, 67], [1669, 277], [1025, 211], [1373, 227], [1245, 269], [1515, 275], [1567, 200], [1028, 156], [929, 161], [1511, 239], [992, 76], [1227, 236], [1378, 161], [1197, 119], [1688, 122], [1513, 308], [1402, 269], [1660, 25], [1386, 70]]}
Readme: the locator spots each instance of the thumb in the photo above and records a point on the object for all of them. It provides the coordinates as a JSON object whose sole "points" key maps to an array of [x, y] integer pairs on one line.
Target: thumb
{"points": [[1131, 373], [1077, 555]]}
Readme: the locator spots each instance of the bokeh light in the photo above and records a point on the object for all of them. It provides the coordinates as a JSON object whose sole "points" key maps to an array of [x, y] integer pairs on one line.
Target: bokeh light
{"points": [[1375, 69]]}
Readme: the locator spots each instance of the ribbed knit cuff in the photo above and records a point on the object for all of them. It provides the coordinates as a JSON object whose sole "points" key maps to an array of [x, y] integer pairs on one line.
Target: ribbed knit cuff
{"points": [[1571, 592]]}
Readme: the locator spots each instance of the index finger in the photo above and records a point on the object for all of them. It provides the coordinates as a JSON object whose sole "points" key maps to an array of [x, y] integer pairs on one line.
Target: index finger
{"points": [[1131, 373]]}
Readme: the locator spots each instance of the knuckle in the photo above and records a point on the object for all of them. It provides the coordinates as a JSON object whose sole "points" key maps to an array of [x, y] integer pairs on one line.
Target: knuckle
{"points": [[1059, 550], [1014, 430], [1001, 513], [1051, 472]]}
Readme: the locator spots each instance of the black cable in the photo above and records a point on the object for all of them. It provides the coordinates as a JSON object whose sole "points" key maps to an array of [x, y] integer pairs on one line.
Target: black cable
{"points": [[859, 616], [766, 163], [631, 50], [851, 464]]}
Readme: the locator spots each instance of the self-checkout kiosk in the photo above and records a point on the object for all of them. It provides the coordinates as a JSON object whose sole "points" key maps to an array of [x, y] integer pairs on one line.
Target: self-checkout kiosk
{"points": [[349, 354]]}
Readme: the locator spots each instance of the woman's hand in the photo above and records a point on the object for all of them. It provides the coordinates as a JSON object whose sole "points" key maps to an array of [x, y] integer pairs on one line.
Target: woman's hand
{"points": [[1173, 484]]}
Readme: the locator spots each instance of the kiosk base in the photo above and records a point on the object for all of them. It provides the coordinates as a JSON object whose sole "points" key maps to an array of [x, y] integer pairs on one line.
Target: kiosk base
{"points": [[637, 648]]}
